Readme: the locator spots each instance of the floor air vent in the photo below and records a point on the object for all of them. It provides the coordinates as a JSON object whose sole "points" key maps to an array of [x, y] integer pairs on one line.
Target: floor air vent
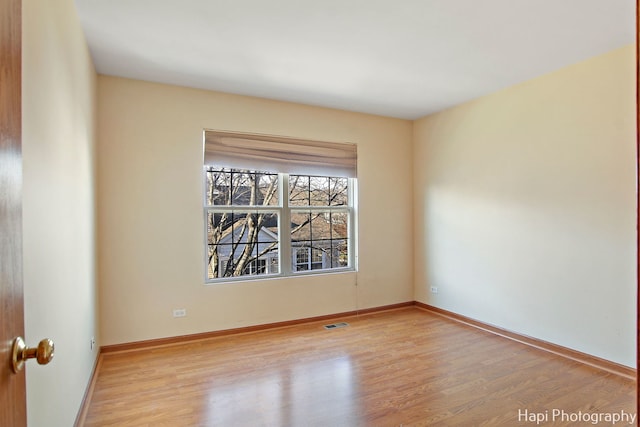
{"points": [[336, 325]]}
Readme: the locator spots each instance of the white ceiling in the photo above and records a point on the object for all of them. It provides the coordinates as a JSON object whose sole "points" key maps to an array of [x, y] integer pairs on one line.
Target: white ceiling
{"points": [[398, 58]]}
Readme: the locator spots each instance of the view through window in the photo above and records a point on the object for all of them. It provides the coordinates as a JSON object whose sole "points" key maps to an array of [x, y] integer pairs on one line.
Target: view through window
{"points": [[263, 223]]}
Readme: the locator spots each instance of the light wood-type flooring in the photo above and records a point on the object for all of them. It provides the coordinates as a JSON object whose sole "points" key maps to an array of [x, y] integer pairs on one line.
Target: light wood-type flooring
{"points": [[405, 367]]}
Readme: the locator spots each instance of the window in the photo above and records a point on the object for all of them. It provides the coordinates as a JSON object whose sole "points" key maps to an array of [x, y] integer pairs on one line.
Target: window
{"points": [[257, 266], [277, 206], [320, 215], [251, 224], [309, 258], [242, 212]]}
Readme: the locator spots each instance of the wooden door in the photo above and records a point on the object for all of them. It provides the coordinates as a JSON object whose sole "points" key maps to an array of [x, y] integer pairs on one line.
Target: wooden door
{"points": [[12, 386], [638, 204]]}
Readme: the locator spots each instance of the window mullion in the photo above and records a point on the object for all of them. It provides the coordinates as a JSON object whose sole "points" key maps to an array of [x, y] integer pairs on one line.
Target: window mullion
{"points": [[351, 229], [285, 228]]}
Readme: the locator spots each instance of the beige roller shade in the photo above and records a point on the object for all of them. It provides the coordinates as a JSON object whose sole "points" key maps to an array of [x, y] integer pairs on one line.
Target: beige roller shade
{"points": [[279, 154]]}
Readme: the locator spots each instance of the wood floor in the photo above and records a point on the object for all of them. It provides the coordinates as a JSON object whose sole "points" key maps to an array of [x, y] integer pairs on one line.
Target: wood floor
{"points": [[404, 367]]}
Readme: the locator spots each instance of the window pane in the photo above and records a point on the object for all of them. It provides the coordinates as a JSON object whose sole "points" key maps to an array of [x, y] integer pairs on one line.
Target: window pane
{"points": [[267, 189], [257, 266], [240, 187], [300, 226], [339, 225], [339, 253], [213, 267], [339, 194], [317, 254], [324, 235], [298, 190], [317, 258], [261, 266], [218, 186], [310, 225], [318, 191], [320, 225], [320, 240], [242, 243]]}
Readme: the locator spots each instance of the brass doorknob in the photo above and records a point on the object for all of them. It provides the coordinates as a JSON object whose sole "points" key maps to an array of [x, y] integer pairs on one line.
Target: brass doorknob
{"points": [[21, 353]]}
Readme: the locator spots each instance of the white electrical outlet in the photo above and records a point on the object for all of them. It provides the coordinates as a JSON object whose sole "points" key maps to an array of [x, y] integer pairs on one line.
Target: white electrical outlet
{"points": [[179, 312], [434, 289]]}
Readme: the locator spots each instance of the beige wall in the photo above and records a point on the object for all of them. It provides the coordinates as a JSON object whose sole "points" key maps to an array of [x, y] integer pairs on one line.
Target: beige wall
{"points": [[522, 204], [59, 88], [151, 218], [525, 208]]}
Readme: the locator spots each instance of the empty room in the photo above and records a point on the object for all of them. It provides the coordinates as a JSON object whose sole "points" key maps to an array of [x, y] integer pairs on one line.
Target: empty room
{"points": [[288, 213]]}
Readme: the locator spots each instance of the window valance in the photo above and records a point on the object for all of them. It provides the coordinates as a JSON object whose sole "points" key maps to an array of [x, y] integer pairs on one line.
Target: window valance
{"points": [[279, 154]]}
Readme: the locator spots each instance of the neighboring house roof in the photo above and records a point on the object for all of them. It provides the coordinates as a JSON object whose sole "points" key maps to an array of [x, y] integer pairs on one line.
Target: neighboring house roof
{"points": [[319, 228], [265, 235]]}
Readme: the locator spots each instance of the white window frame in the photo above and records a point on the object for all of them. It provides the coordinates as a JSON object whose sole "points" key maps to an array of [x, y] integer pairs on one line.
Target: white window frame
{"points": [[284, 211]]}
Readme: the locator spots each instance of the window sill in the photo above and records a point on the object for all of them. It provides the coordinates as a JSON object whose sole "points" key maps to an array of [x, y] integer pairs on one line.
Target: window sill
{"points": [[270, 277]]}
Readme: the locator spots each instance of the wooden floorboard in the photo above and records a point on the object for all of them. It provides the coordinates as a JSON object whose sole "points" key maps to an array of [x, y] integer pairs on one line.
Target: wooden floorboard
{"points": [[405, 367]]}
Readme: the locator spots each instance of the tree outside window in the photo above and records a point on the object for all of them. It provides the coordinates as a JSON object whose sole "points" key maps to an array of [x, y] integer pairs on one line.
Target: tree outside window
{"points": [[250, 223]]}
